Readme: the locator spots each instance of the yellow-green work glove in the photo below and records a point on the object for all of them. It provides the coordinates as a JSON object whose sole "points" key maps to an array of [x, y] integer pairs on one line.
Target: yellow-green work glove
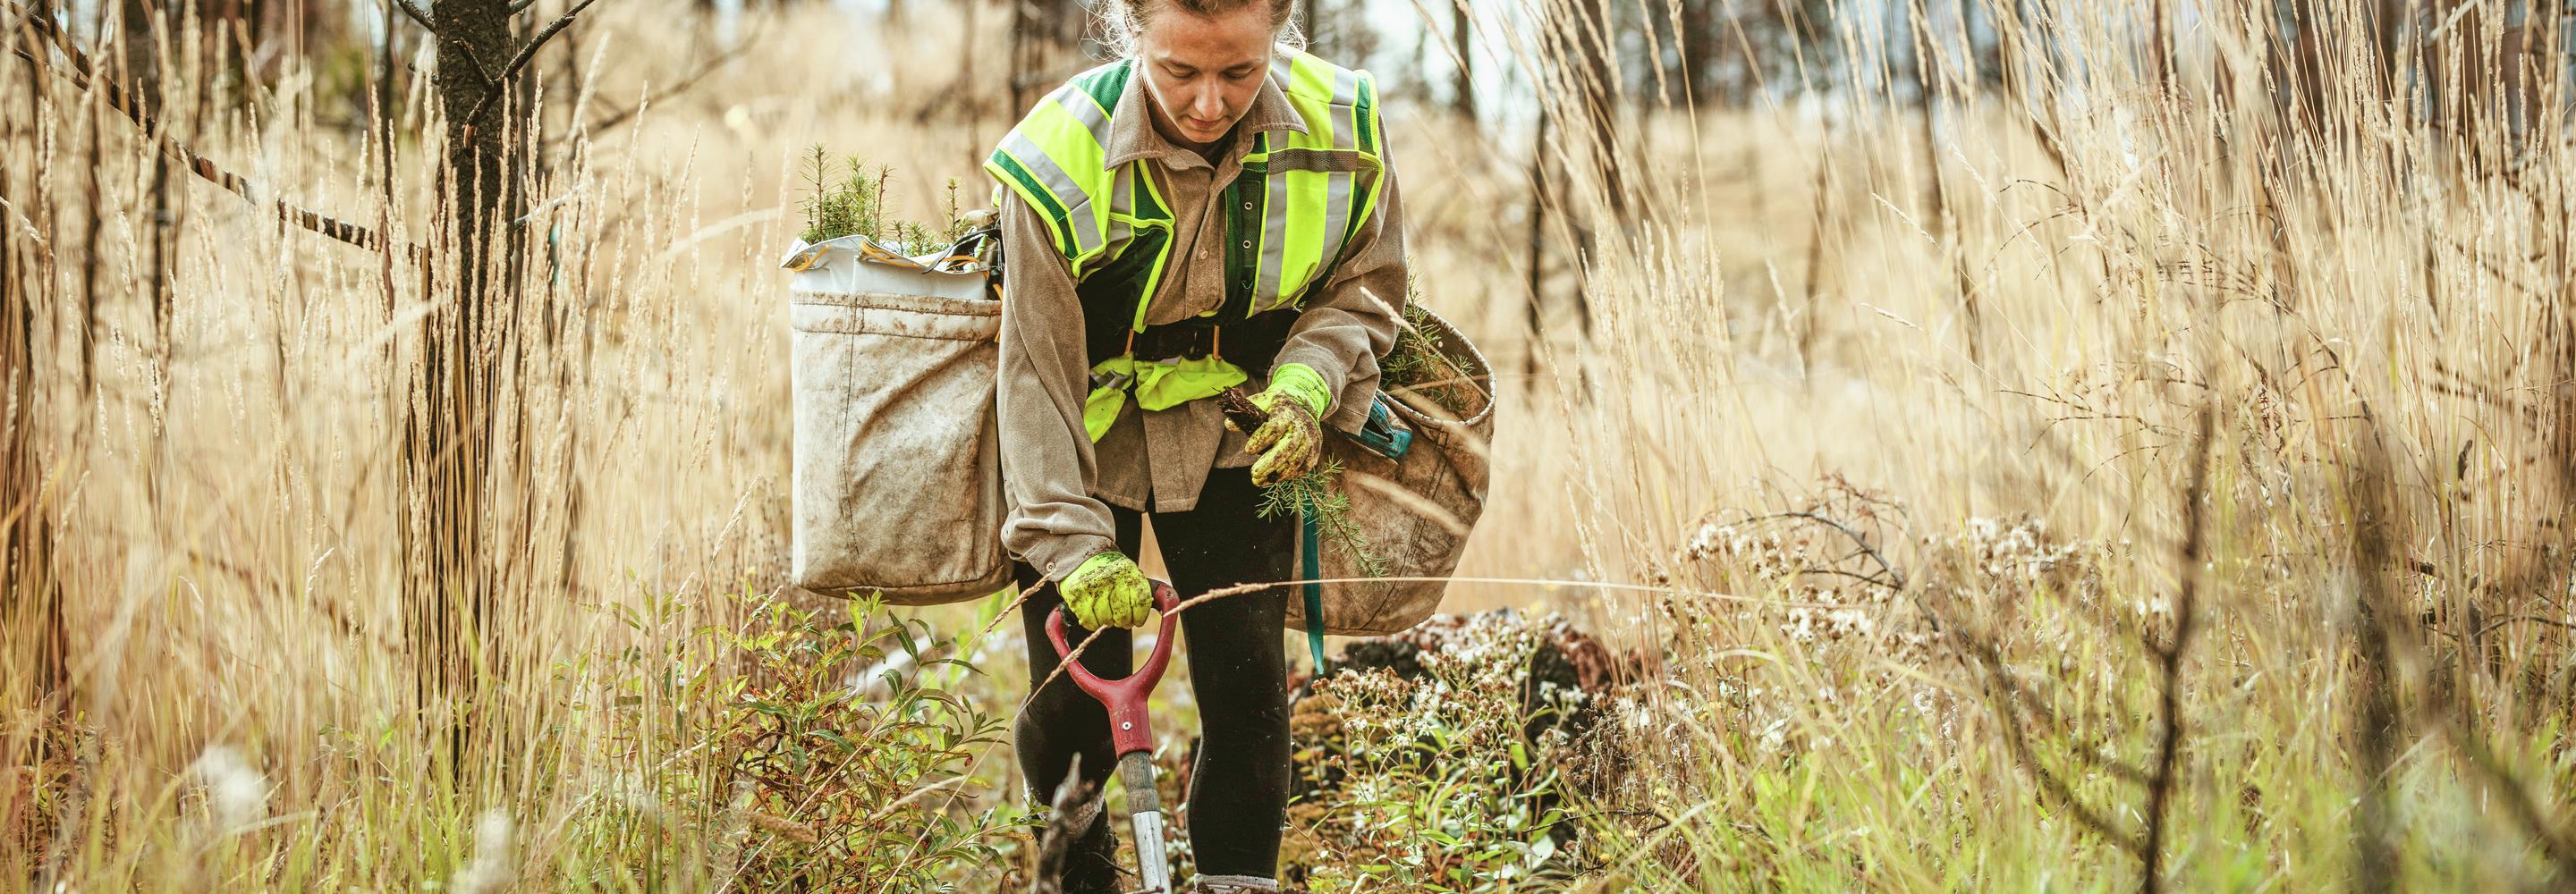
{"points": [[1107, 590], [1291, 440]]}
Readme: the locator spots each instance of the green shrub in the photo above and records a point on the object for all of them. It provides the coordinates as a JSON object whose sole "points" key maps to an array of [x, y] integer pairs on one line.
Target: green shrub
{"points": [[824, 760]]}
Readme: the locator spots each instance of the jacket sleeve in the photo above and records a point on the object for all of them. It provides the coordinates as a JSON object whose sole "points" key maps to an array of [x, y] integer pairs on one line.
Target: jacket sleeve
{"points": [[1047, 466], [1352, 321]]}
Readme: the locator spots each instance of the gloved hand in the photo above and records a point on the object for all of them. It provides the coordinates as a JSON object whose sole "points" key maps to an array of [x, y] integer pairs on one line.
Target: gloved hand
{"points": [[1107, 590], [1290, 442]]}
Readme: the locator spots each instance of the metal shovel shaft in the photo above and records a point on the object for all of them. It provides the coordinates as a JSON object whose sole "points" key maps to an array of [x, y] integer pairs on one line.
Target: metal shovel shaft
{"points": [[1145, 816]]}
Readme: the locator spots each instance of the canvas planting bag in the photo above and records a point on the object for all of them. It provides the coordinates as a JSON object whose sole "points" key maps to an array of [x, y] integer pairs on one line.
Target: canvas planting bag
{"points": [[1416, 511], [897, 480]]}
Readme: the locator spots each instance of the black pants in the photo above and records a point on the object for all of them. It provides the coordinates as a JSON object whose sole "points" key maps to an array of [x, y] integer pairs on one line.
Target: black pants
{"points": [[1238, 672]]}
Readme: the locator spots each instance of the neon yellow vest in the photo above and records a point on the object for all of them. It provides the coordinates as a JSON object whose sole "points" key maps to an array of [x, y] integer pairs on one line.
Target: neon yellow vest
{"points": [[1290, 215]]}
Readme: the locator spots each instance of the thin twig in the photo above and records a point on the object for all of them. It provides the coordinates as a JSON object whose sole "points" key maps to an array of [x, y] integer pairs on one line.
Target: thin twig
{"points": [[2509, 619], [526, 53], [482, 72], [1871, 579], [1857, 540], [2055, 788], [2170, 653], [414, 11], [84, 76], [623, 115]]}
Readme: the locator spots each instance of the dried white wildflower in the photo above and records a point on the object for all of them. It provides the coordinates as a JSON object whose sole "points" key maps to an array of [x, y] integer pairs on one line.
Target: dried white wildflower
{"points": [[491, 868], [236, 795]]}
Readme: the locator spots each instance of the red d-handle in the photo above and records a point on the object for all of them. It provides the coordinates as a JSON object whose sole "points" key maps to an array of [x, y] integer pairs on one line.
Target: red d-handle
{"points": [[1125, 698]]}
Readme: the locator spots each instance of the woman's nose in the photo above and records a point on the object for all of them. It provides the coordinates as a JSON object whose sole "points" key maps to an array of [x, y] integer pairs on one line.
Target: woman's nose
{"points": [[1208, 104]]}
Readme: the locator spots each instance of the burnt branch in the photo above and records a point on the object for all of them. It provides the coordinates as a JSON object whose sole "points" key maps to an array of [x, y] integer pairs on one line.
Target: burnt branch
{"points": [[1075, 806], [2170, 654], [415, 13], [482, 71], [2054, 790], [84, 75], [526, 53]]}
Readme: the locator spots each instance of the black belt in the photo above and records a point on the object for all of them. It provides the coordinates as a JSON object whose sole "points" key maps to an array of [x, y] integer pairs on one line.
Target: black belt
{"points": [[1250, 344], [1186, 340]]}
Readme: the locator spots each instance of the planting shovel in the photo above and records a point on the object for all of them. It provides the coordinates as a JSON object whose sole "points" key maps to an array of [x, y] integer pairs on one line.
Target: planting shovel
{"points": [[1133, 738]]}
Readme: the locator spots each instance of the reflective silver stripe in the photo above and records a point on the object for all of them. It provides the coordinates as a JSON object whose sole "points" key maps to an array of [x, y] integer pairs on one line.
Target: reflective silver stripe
{"points": [[1345, 112], [1077, 203], [1087, 110], [1122, 204], [1274, 239], [1283, 70], [1337, 214]]}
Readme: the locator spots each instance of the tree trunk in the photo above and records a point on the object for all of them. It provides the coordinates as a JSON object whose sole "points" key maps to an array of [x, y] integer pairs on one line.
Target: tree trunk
{"points": [[1584, 47], [450, 591], [1592, 99], [1696, 40], [31, 600], [1537, 243], [1461, 39], [1043, 34]]}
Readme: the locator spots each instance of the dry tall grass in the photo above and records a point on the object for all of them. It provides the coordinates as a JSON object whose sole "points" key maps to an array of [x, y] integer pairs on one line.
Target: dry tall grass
{"points": [[1972, 354]]}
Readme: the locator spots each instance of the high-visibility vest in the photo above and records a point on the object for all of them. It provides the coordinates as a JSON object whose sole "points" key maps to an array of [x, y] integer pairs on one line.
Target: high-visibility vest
{"points": [[1300, 200]]}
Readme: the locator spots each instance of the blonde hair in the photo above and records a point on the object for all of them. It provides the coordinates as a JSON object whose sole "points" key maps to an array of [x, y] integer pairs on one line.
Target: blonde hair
{"points": [[1121, 21]]}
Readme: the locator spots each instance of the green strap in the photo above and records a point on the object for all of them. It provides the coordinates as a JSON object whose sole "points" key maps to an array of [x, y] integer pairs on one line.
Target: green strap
{"points": [[1314, 562]]}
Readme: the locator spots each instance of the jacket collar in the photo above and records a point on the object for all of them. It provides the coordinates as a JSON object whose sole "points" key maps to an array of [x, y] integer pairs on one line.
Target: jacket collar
{"points": [[1132, 135]]}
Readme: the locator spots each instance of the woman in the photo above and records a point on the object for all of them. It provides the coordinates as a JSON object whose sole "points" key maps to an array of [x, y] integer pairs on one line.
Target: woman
{"points": [[1212, 209]]}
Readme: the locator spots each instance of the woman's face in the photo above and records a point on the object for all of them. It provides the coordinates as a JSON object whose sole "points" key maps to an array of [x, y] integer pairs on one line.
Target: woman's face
{"points": [[1203, 71]]}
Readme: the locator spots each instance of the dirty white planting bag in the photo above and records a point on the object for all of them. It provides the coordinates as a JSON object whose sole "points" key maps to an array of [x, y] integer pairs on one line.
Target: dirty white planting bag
{"points": [[897, 482]]}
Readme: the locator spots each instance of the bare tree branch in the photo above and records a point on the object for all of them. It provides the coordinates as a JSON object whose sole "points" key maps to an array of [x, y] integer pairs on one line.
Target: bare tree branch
{"points": [[482, 70], [2516, 619], [413, 10], [2053, 788], [2170, 654], [84, 76], [622, 116], [526, 53]]}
